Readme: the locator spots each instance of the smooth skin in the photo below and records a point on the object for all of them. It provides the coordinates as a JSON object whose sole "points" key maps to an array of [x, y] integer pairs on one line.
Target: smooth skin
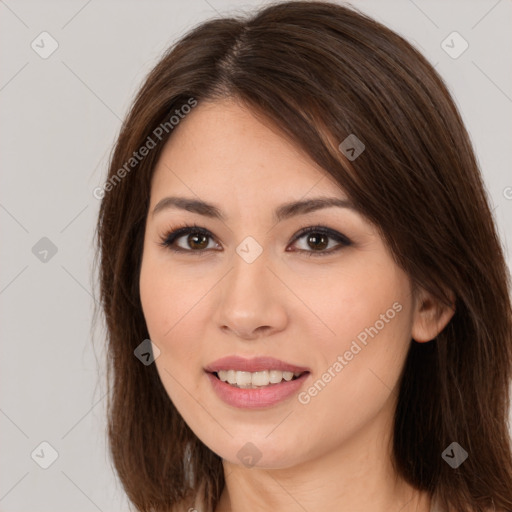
{"points": [[333, 453]]}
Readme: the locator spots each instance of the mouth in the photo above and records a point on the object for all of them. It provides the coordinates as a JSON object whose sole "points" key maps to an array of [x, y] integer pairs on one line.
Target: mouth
{"points": [[256, 380]]}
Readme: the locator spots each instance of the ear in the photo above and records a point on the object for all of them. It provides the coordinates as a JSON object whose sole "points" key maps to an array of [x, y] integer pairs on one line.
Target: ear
{"points": [[431, 316]]}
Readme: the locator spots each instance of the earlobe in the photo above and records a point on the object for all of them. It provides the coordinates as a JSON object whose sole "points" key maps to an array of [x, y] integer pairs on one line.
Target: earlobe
{"points": [[431, 316]]}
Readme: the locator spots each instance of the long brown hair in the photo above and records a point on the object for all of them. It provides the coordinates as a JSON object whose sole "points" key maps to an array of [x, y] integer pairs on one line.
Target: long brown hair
{"points": [[320, 72]]}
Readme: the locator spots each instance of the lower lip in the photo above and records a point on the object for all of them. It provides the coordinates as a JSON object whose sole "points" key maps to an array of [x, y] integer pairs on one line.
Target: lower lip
{"points": [[258, 397]]}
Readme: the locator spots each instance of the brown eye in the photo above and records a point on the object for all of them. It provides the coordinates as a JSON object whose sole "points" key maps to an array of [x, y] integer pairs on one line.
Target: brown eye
{"points": [[197, 240], [318, 238], [317, 241]]}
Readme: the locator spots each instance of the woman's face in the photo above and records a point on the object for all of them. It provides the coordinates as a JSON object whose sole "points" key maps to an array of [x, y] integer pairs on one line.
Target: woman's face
{"points": [[250, 288]]}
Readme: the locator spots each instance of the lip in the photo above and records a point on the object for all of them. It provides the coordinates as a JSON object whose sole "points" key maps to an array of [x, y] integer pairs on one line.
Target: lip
{"points": [[256, 398], [256, 364]]}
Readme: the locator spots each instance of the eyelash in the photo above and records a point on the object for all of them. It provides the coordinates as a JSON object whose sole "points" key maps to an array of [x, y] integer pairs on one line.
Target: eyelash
{"points": [[184, 229]]}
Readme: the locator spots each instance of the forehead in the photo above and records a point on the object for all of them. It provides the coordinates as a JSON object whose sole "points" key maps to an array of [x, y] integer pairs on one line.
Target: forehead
{"points": [[222, 147]]}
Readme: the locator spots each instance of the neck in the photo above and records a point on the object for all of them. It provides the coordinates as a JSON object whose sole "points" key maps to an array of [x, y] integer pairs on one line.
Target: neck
{"points": [[358, 476], [270, 490]]}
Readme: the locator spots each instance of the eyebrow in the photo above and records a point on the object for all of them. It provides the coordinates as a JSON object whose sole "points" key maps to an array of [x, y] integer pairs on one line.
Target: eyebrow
{"points": [[281, 213]]}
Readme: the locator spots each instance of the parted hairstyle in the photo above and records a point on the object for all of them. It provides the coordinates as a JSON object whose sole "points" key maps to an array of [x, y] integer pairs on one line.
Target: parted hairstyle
{"points": [[319, 72]]}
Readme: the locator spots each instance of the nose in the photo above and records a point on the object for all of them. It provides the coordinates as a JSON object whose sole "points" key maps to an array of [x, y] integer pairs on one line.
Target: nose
{"points": [[251, 299]]}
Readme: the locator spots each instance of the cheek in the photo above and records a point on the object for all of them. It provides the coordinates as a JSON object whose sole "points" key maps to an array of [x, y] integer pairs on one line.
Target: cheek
{"points": [[173, 307], [367, 322], [345, 301], [168, 306], [360, 365], [155, 300], [166, 297]]}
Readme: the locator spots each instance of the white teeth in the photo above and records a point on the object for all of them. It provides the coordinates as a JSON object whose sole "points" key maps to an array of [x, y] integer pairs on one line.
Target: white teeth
{"points": [[243, 378], [260, 378], [275, 376], [231, 376], [255, 379]]}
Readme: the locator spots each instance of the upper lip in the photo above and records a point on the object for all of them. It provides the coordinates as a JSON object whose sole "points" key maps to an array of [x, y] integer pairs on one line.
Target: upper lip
{"points": [[256, 364]]}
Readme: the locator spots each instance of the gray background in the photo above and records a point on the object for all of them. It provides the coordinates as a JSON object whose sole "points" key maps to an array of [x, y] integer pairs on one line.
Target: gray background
{"points": [[60, 117]]}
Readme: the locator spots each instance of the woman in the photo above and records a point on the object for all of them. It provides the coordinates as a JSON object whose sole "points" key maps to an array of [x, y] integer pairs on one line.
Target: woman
{"points": [[295, 218]]}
